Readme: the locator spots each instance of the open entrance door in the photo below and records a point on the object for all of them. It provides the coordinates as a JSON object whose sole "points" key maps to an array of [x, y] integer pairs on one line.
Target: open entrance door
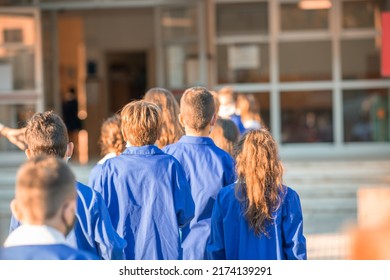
{"points": [[127, 78]]}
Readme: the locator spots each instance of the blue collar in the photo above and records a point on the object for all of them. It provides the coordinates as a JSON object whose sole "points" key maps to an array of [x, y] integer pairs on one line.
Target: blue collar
{"points": [[200, 140], [143, 150]]}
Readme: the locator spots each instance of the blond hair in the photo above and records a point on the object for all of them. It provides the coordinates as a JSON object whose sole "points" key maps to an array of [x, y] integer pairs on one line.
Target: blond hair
{"points": [[111, 138], [197, 108], [43, 184], [171, 130], [140, 123], [259, 172]]}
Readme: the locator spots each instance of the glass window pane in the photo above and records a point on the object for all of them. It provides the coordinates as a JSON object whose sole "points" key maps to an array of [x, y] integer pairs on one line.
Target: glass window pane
{"points": [[14, 116], [358, 14], [294, 18], [179, 22], [17, 65], [360, 59], [242, 18], [307, 117], [366, 115], [182, 65], [17, 70], [243, 63], [305, 61]]}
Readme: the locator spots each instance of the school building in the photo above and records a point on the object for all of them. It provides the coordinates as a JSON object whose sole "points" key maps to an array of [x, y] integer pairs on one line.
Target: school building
{"points": [[320, 74]]}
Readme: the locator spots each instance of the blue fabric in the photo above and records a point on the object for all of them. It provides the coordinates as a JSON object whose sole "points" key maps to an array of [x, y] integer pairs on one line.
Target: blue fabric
{"points": [[94, 174], [237, 120], [45, 252], [208, 169], [93, 231], [148, 199], [231, 238]]}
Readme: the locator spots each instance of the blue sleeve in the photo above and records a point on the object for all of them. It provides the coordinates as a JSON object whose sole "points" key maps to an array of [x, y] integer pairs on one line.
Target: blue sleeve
{"points": [[94, 175], [14, 224], [110, 244], [184, 204], [230, 172], [216, 243], [294, 245]]}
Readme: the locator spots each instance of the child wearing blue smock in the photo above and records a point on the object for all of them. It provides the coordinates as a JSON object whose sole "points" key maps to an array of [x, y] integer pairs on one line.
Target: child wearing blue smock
{"points": [[257, 217], [146, 191], [207, 167], [46, 134], [45, 203], [111, 144]]}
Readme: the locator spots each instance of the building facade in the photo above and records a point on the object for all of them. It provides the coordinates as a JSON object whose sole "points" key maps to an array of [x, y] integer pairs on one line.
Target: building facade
{"points": [[315, 73]]}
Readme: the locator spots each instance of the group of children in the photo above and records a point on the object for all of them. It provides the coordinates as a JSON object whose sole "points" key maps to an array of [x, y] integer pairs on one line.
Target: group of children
{"points": [[164, 190]]}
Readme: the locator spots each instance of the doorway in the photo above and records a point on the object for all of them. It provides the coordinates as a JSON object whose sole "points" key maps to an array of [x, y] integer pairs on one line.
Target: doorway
{"points": [[127, 78]]}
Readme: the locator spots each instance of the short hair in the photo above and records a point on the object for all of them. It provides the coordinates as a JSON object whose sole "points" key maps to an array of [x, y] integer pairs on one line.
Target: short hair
{"points": [[111, 138], [197, 107], [171, 130], [141, 123], [43, 184], [46, 134], [228, 93], [216, 101]]}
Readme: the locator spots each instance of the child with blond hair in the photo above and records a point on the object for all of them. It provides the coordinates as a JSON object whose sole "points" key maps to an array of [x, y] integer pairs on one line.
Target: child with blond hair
{"points": [[45, 203], [146, 191], [207, 167]]}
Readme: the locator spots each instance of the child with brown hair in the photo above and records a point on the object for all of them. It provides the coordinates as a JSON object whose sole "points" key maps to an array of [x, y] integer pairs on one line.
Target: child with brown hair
{"points": [[257, 217], [45, 203], [171, 130], [225, 134], [147, 194], [46, 134], [111, 144], [207, 167]]}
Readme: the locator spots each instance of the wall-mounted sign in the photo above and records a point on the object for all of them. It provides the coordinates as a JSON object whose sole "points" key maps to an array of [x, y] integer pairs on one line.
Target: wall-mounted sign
{"points": [[243, 57]]}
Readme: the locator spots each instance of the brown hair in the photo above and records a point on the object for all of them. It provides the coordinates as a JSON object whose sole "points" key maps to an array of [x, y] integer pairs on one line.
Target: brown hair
{"points": [[171, 130], [247, 106], [260, 173], [111, 139], [43, 184], [225, 134], [216, 101], [197, 107], [140, 123], [46, 134]]}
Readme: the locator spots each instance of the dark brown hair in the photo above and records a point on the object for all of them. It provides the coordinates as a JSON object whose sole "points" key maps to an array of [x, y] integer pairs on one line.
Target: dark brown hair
{"points": [[225, 135]]}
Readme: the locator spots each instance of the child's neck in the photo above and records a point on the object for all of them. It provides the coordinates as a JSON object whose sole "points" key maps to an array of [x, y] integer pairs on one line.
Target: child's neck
{"points": [[199, 133]]}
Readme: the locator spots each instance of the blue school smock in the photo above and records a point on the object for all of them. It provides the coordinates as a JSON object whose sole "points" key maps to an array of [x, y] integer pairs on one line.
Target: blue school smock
{"points": [[93, 230], [94, 174], [237, 120], [208, 169], [232, 239], [45, 252], [148, 199]]}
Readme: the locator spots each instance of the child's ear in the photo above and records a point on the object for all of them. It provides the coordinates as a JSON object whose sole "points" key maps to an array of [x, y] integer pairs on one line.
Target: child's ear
{"points": [[181, 120], [28, 153], [15, 210], [213, 119], [69, 150]]}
